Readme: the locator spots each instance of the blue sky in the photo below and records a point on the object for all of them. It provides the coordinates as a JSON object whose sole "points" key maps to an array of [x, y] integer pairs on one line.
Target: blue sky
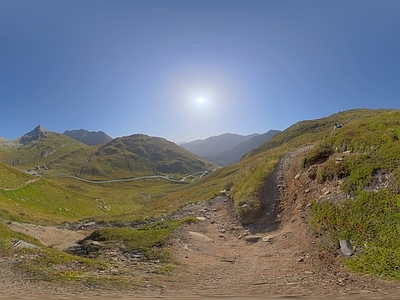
{"points": [[128, 67]]}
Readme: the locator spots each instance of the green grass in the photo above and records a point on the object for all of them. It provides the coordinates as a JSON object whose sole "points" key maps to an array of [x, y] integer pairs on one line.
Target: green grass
{"points": [[149, 239], [44, 263], [41, 152], [371, 220], [372, 137], [372, 223], [48, 264], [11, 178]]}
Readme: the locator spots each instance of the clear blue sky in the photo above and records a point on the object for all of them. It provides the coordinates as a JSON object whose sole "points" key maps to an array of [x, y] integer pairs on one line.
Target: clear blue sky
{"points": [[128, 67]]}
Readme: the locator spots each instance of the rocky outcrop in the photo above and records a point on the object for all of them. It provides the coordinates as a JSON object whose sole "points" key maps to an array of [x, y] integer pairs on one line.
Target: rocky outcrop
{"points": [[33, 135], [89, 138]]}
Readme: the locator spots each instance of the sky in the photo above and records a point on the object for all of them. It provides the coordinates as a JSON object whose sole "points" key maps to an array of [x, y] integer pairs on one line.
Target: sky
{"points": [[191, 69]]}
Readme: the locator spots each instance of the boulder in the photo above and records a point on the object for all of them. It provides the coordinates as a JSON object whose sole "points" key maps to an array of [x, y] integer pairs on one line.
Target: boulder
{"points": [[345, 247]]}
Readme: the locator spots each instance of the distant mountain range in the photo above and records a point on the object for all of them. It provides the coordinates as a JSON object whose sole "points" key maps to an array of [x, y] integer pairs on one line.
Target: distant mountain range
{"points": [[89, 138], [129, 156], [227, 148], [96, 155]]}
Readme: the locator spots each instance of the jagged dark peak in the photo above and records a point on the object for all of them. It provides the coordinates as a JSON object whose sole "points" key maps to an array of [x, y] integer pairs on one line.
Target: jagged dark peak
{"points": [[89, 138], [33, 135]]}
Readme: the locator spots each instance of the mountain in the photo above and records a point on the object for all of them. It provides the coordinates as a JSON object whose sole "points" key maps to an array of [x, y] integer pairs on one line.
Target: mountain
{"points": [[214, 145], [131, 156], [89, 138], [33, 135], [37, 147], [343, 183], [234, 155]]}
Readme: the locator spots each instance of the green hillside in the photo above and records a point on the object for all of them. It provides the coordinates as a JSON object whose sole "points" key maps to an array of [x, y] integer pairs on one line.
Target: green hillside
{"points": [[42, 151], [367, 174], [11, 178], [138, 155]]}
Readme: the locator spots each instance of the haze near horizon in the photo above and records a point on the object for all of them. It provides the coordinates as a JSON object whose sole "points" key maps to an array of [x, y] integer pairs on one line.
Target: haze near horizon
{"points": [[187, 70]]}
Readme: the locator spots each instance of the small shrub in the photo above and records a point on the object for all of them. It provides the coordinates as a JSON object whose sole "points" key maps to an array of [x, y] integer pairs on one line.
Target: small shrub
{"points": [[332, 170], [318, 155]]}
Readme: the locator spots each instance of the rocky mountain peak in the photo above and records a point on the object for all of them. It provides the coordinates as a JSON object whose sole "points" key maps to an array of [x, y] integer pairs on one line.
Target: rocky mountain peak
{"points": [[33, 135]]}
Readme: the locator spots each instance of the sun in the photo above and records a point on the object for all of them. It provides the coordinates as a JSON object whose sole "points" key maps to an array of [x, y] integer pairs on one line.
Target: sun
{"points": [[201, 101]]}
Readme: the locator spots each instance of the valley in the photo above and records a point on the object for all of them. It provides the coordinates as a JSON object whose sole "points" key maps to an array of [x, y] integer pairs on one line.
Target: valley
{"points": [[262, 228]]}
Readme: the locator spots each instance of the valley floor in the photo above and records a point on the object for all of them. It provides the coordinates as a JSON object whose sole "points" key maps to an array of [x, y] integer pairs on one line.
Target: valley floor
{"points": [[276, 256]]}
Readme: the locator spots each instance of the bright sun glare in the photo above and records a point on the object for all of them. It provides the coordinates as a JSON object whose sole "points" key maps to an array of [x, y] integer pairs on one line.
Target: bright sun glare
{"points": [[201, 100]]}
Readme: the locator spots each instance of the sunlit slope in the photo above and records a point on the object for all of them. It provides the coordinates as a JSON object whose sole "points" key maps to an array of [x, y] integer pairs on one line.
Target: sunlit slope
{"points": [[363, 130], [311, 131], [11, 178], [56, 200], [138, 155], [42, 151]]}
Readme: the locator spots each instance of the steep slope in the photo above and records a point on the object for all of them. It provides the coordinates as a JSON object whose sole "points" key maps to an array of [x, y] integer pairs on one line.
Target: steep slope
{"points": [[234, 155], [38, 147], [89, 138], [139, 154], [33, 135], [213, 146], [352, 173], [11, 178]]}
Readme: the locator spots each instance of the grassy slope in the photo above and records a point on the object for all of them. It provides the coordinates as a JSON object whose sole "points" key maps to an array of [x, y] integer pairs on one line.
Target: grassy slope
{"points": [[372, 220], [131, 156], [11, 178], [142, 155], [41, 152], [372, 135]]}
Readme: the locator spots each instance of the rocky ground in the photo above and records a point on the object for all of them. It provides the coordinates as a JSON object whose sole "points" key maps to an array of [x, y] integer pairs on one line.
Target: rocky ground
{"points": [[275, 256]]}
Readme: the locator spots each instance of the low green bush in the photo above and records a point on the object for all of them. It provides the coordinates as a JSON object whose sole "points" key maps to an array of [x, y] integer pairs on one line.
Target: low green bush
{"points": [[318, 154], [372, 223]]}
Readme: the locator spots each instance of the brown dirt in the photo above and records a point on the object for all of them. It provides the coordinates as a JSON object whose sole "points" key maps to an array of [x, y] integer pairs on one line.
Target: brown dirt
{"points": [[275, 256]]}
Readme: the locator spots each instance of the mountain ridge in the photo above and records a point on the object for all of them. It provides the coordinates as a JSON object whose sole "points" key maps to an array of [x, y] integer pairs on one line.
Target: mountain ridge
{"points": [[90, 138], [214, 145]]}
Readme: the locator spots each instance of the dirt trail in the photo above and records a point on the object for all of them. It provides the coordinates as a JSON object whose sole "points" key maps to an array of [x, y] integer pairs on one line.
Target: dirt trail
{"points": [[284, 261], [274, 256]]}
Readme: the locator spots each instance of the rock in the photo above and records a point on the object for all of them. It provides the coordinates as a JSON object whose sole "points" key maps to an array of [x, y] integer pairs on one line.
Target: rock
{"points": [[200, 236], [200, 218], [312, 172], [252, 238], [245, 205], [345, 247], [20, 244], [268, 239], [297, 176]]}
